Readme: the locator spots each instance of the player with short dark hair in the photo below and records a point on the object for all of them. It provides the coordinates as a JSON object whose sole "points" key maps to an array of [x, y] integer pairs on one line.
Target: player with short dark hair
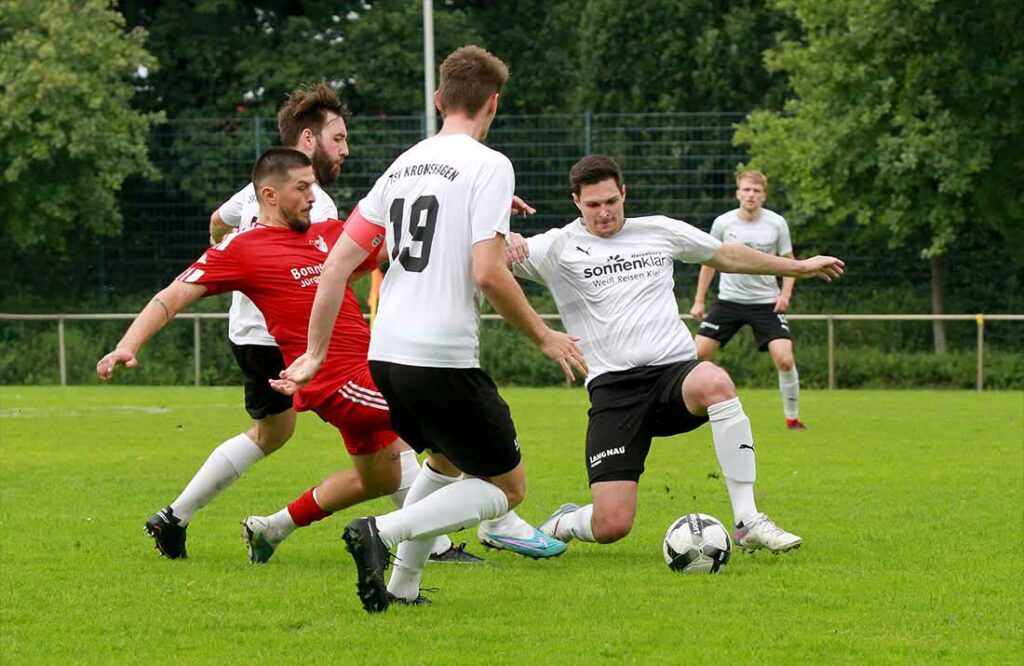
{"points": [[752, 300], [277, 262], [612, 281], [443, 208]]}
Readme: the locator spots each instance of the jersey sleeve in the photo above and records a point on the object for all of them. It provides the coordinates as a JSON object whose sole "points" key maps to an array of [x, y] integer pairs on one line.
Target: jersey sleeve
{"points": [[535, 267], [323, 207], [220, 269], [491, 202], [689, 244], [231, 210], [718, 228], [784, 245], [371, 207]]}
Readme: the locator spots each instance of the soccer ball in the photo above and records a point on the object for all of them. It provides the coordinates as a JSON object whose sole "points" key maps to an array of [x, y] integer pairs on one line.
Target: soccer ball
{"points": [[697, 543]]}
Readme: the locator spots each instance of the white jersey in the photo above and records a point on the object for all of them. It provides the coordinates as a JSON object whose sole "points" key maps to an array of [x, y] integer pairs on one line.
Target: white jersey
{"points": [[436, 201], [246, 325], [616, 293], [769, 233]]}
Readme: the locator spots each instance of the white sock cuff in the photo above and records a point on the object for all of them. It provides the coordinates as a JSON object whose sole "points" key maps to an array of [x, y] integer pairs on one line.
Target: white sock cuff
{"points": [[241, 452], [721, 411], [438, 477], [410, 469], [789, 376]]}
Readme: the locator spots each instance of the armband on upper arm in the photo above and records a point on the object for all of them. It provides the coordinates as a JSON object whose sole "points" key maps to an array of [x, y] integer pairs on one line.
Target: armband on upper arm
{"points": [[365, 233]]}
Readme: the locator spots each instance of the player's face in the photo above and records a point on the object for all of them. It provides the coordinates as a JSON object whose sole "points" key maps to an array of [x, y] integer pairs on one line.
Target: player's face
{"points": [[750, 194], [296, 197], [331, 149], [602, 207]]}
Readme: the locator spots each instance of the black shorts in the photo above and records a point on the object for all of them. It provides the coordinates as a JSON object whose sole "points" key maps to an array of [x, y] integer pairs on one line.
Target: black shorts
{"points": [[726, 318], [627, 409], [260, 364], [456, 412]]}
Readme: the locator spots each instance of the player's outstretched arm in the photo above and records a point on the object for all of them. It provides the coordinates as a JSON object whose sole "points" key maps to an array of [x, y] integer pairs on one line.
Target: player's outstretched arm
{"points": [[161, 309], [738, 258], [345, 257], [707, 274], [218, 228], [492, 276]]}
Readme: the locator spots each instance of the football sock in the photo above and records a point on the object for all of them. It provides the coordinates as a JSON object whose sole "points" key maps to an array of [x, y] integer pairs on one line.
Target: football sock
{"points": [[410, 470], [451, 508], [224, 465], [411, 556], [508, 525], [577, 525], [734, 445], [789, 386]]}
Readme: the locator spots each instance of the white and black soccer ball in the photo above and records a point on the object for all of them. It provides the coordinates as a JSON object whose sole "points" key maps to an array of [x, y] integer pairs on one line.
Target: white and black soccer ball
{"points": [[697, 543]]}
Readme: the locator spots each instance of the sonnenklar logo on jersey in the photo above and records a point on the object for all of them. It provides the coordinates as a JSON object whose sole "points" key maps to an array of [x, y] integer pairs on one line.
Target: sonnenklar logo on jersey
{"points": [[320, 244], [616, 264]]}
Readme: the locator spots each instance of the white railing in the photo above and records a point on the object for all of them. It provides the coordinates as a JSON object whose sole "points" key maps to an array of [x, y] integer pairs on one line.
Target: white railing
{"points": [[829, 319]]}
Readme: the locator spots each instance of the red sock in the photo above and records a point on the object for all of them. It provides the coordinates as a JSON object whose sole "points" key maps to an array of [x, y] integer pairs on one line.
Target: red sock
{"points": [[305, 510]]}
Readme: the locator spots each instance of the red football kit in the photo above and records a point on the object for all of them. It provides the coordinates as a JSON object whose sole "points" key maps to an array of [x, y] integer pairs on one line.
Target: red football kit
{"points": [[279, 269]]}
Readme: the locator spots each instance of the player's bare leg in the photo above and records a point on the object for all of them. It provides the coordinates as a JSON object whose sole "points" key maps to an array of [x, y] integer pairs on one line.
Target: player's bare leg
{"points": [[781, 351], [225, 464], [707, 347]]}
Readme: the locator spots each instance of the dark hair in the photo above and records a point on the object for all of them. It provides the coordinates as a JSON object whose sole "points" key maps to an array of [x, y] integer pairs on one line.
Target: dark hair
{"points": [[594, 169], [469, 76], [275, 163], [307, 107]]}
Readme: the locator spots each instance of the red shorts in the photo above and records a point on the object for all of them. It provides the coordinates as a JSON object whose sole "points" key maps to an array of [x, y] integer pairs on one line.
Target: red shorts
{"points": [[360, 414]]}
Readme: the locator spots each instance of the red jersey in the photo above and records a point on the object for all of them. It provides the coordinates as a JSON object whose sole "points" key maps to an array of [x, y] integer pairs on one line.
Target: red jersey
{"points": [[279, 269]]}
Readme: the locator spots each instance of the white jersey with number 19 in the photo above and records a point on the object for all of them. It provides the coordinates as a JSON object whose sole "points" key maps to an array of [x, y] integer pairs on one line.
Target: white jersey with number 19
{"points": [[436, 201]]}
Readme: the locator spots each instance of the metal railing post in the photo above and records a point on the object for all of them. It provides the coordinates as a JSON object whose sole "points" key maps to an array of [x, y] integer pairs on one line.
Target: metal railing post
{"points": [[62, 356], [197, 350], [980, 382], [831, 353]]}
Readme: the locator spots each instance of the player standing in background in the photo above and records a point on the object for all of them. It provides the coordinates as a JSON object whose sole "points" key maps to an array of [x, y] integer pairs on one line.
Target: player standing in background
{"points": [[612, 281], [753, 300], [277, 261], [443, 207]]}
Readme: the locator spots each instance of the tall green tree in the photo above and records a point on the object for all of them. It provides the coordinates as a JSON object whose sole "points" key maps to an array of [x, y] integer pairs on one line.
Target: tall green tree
{"points": [[679, 55], [907, 117], [68, 136]]}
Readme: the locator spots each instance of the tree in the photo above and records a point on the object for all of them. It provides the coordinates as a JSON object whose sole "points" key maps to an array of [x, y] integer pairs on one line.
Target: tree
{"points": [[906, 117], [68, 137]]}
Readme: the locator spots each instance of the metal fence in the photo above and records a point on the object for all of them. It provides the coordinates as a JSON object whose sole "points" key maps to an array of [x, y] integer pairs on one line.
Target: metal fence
{"points": [[829, 319]]}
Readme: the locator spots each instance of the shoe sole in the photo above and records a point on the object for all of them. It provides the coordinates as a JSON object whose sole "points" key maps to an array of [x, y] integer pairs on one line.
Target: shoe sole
{"points": [[532, 556], [373, 593], [784, 549]]}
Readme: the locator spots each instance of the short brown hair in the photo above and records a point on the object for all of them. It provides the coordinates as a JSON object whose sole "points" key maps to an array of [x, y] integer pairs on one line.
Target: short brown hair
{"points": [[307, 107], [755, 176], [594, 169], [275, 163], [469, 76]]}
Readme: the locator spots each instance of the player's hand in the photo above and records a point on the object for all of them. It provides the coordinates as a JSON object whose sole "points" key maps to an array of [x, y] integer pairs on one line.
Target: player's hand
{"points": [[296, 375], [781, 304], [105, 366], [697, 311], [824, 267], [562, 349], [520, 207], [516, 249]]}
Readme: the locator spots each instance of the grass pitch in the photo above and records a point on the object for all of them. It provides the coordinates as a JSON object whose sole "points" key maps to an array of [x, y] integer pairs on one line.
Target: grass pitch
{"points": [[910, 504]]}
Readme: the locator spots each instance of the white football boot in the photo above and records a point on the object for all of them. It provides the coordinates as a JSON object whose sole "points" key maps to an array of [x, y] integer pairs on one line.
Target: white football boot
{"points": [[761, 532]]}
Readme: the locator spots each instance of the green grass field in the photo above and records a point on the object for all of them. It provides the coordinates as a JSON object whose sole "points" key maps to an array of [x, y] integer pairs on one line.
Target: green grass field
{"points": [[910, 504]]}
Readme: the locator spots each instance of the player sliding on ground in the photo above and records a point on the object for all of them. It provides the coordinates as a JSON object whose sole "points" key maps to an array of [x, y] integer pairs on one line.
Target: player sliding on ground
{"points": [[611, 278], [276, 262], [443, 206]]}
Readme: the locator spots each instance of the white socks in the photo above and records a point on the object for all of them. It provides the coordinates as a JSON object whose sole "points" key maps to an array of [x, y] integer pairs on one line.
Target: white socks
{"points": [[734, 445], [451, 508], [508, 525], [410, 470], [789, 386], [225, 464], [576, 525]]}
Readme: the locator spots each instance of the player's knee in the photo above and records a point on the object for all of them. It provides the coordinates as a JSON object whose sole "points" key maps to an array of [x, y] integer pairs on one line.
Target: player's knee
{"points": [[610, 526], [514, 494], [784, 363], [272, 432], [710, 385]]}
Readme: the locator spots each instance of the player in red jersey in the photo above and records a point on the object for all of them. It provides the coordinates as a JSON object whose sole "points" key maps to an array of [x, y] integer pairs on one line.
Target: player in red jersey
{"points": [[277, 263]]}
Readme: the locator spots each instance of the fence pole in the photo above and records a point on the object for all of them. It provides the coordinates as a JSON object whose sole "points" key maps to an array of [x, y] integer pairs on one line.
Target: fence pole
{"points": [[980, 383], [588, 137], [62, 353], [197, 351], [831, 353], [256, 127]]}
